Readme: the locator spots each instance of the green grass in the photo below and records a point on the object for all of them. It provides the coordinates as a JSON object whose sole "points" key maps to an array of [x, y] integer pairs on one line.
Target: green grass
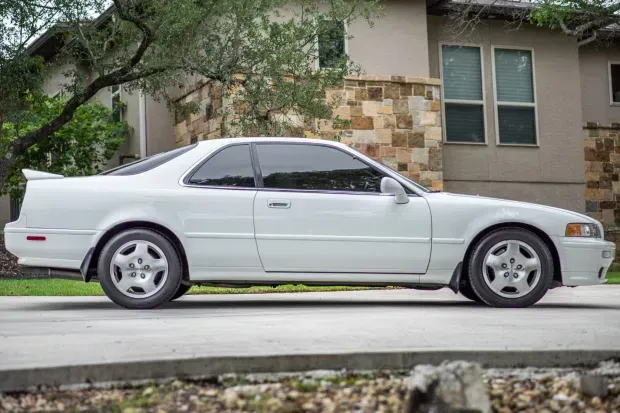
{"points": [[613, 277], [47, 287]]}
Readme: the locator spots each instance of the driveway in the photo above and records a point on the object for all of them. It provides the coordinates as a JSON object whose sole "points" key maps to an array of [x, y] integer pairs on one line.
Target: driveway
{"points": [[40, 332]]}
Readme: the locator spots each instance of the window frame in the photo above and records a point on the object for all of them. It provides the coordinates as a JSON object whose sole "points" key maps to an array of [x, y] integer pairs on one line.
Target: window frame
{"points": [[258, 177], [534, 104], [317, 62], [116, 94], [460, 101], [611, 90]]}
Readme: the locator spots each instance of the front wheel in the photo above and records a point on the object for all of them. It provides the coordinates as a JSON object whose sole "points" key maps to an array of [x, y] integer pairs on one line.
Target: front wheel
{"points": [[183, 289], [139, 269], [510, 267]]}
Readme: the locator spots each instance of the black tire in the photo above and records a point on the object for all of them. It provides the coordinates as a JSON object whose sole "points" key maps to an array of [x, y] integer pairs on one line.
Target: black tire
{"points": [[183, 289], [476, 277], [466, 291], [164, 294]]}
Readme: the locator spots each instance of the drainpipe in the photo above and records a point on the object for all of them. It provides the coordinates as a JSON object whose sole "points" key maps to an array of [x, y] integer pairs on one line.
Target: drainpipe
{"points": [[143, 131]]}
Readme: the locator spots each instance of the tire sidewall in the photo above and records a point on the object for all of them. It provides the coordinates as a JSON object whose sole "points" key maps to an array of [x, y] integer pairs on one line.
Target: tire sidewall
{"points": [[172, 283], [476, 277]]}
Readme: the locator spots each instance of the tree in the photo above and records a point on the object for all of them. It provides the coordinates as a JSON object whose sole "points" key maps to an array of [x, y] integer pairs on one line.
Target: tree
{"points": [[80, 147], [586, 20], [157, 45]]}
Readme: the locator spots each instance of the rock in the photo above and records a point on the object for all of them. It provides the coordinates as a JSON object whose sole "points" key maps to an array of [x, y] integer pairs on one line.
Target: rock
{"points": [[593, 385], [448, 388]]}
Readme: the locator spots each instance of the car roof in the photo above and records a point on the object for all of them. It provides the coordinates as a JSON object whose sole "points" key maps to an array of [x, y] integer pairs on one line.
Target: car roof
{"points": [[225, 141]]}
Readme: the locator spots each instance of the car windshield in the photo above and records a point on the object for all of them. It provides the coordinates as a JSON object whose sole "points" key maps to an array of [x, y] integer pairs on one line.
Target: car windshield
{"points": [[148, 163]]}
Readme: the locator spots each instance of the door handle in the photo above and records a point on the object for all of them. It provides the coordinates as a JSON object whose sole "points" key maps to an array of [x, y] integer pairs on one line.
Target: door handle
{"points": [[279, 203]]}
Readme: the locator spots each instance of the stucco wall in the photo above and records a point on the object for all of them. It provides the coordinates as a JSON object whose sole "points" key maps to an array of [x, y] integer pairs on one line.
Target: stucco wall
{"points": [[593, 63], [397, 44], [159, 127], [552, 173]]}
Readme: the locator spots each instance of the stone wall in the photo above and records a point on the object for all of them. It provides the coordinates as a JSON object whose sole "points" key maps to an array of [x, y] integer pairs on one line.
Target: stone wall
{"points": [[602, 163], [394, 119]]}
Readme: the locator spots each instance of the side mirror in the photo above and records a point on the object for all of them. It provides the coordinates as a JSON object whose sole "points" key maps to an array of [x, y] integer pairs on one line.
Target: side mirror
{"points": [[390, 186]]}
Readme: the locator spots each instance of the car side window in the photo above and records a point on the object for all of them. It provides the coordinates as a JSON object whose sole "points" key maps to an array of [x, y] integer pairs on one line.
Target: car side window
{"points": [[232, 166], [315, 167]]}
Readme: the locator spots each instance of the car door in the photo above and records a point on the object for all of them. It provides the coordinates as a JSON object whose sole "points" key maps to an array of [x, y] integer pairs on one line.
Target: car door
{"points": [[217, 213], [320, 209]]}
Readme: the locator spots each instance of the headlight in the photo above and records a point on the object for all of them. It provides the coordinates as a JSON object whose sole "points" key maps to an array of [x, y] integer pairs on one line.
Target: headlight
{"points": [[583, 230]]}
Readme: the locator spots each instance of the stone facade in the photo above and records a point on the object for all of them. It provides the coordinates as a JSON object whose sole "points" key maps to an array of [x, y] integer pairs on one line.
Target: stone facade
{"points": [[394, 119], [602, 164]]}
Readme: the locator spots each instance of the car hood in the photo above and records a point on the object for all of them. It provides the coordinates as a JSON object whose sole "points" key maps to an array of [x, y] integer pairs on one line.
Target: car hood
{"points": [[529, 205]]}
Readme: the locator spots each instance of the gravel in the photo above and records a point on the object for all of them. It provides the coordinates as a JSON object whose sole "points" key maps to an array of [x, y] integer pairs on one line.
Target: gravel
{"points": [[523, 390], [8, 262]]}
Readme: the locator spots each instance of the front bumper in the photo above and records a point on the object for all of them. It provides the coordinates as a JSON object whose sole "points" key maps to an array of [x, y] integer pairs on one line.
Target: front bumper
{"points": [[585, 261]]}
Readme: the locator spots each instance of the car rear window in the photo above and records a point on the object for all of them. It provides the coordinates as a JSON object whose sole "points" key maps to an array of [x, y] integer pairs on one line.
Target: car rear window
{"points": [[148, 163]]}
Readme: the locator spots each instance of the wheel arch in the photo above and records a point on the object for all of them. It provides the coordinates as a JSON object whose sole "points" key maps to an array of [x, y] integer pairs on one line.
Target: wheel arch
{"points": [[557, 269], [118, 228]]}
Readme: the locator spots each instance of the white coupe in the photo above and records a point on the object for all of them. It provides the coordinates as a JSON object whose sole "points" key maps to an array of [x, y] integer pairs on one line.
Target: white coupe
{"points": [[270, 211]]}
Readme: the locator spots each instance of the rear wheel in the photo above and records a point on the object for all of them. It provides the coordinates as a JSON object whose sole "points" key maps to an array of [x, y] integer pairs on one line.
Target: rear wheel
{"points": [[510, 267], [139, 269], [183, 289]]}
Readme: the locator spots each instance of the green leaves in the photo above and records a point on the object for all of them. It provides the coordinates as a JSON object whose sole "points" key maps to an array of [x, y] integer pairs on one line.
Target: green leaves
{"points": [[81, 147]]}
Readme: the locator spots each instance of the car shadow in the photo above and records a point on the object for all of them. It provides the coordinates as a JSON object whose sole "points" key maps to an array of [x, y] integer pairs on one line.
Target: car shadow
{"points": [[267, 303]]}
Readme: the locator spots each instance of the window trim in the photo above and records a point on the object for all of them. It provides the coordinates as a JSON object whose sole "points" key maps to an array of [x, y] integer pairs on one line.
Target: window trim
{"points": [[496, 103], [466, 102], [113, 94], [611, 91], [317, 65], [258, 178]]}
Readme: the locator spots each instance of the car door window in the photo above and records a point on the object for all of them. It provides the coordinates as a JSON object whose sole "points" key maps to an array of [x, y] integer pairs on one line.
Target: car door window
{"points": [[232, 166], [315, 167]]}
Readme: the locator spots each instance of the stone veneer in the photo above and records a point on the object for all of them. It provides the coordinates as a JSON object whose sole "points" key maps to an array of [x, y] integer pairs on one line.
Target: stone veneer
{"points": [[394, 119], [602, 163]]}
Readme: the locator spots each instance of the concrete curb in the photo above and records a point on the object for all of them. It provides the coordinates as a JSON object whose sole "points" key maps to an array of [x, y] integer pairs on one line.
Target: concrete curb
{"points": [[24, 379]]}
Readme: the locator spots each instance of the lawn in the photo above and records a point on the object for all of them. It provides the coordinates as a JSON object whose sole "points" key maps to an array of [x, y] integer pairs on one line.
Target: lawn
{"points": [[47, 287]]}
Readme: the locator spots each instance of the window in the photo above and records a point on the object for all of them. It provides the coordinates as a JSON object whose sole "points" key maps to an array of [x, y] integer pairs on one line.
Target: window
{"points": [[232, 166], [461, 71], [515, 96], [614, 83], [148, 163], [117, 115], [315, 167], [332, 43]]}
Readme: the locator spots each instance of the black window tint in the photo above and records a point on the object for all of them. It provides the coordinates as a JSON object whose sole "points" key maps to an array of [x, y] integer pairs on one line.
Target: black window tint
{"points": [[148, 163], [314, 167], [231, 166]]}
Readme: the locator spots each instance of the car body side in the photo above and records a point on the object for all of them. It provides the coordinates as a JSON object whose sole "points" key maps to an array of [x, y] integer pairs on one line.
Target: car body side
{"points": [[77, 214]]}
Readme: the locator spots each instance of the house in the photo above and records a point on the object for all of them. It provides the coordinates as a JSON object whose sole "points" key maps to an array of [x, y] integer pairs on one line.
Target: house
{"points": [[522, 114]]}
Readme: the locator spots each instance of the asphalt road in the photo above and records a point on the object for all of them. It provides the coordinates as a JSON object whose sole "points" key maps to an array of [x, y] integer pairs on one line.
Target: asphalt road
{"points": [[40, 332]]}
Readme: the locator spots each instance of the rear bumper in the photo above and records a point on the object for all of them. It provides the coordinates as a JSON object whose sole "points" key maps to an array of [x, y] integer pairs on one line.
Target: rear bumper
{"points": [[59, 249], [584, 261]]}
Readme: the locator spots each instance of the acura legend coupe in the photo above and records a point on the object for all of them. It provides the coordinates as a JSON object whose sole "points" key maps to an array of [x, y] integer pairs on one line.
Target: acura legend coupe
{"points": [[270, 211]]}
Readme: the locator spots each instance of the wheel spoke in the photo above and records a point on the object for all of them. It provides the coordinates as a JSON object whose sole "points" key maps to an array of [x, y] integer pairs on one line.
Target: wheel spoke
{"points": [[530, 265], [149, 285], [158, 265], [126, 282], [122, 261], [499, 282], [142, 250], [521, 285], [495, 263], [512, 249]]}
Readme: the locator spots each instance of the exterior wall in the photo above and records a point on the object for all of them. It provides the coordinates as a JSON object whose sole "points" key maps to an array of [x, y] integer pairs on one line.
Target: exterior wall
{"points": [[394, 119], [396, 44], [523, 173], [159, 127], [593, 64]]}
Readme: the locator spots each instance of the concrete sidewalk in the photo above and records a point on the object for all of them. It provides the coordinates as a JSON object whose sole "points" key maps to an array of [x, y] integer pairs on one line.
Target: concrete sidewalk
{"points": [[60, 340]]}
